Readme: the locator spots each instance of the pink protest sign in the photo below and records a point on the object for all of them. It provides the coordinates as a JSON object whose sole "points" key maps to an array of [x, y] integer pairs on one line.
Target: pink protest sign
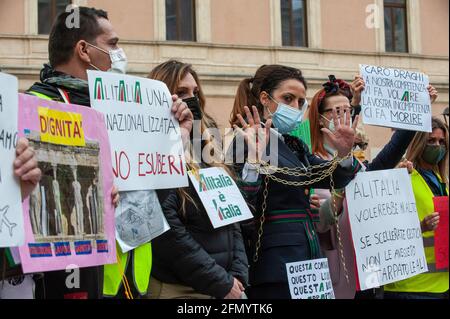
{"points": [[441, 233], [69, 217]]}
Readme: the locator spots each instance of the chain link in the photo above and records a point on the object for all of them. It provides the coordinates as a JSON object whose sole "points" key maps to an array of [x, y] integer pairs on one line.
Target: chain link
{"points": [[269, 171]]}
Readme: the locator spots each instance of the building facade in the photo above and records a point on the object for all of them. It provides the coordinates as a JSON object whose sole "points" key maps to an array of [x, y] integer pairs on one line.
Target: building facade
{"points": [[227, 41]]}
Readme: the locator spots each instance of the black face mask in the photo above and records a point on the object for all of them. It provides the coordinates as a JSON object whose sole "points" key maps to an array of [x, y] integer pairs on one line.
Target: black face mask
{"points": [[194, 105]]}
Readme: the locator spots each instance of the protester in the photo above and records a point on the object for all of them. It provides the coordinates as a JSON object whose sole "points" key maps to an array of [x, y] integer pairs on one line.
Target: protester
{"points": [[428, 154], [336, 95], [284, 232], [193, 260], [73, 51]]}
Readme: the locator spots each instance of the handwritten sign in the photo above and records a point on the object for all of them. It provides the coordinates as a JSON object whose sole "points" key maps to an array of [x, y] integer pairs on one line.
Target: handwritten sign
{"points": [[441, 233], [220, 196], [69, 217], [385, 228], [11, 219], [147, 150], [310, 279], [396, 98]]}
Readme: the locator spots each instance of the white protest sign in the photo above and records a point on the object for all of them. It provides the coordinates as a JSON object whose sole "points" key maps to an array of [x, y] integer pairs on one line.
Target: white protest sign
{"points": [[220, 196], [396, 98], [146, 147], [139, 219], [11, 217], [310, 279], [385, 228]]}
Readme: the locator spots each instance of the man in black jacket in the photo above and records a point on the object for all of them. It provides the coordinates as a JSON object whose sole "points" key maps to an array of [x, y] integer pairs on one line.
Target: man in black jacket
{"points": [[73, 51]]}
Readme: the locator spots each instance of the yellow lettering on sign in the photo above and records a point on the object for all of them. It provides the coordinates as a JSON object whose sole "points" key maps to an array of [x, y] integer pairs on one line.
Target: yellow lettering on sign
{"points": [[62, 128]]}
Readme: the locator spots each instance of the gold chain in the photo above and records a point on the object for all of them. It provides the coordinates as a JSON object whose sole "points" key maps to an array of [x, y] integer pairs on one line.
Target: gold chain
{"points": [[269, 171], [338, 231], [262, 219]]}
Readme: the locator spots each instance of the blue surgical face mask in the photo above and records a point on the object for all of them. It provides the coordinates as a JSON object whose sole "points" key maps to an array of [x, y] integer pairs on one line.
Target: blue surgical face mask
{"points": [[287, 118]]}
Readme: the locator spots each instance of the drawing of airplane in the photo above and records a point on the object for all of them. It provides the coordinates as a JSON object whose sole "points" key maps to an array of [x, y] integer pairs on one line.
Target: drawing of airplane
{"points": [[4, 220]]}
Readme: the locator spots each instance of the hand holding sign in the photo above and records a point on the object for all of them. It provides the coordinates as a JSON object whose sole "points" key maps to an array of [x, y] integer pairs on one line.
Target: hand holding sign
{"points": [[430, 223], [184, 116], [25, 167], [357, 87]]}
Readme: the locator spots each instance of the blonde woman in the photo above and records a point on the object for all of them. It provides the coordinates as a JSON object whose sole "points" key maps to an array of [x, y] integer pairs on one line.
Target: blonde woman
{"points": [[193, 260], [428, 153]]}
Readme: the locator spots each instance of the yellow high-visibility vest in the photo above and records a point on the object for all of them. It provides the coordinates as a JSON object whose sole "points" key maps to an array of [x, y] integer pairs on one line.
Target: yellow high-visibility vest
{"points": [[434, 281], [141, 261]]}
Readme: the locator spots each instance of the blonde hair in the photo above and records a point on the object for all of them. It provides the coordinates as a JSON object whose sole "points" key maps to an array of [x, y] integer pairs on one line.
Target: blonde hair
{"points": [[172, 72], [418, 144]]}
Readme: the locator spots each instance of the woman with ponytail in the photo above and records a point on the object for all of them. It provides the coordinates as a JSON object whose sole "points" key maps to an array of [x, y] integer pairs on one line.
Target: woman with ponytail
{"points": [[267, 108]]}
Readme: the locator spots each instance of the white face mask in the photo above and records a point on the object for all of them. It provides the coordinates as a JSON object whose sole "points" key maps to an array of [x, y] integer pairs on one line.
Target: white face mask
{"points": [[331, 126], [119, 61]]}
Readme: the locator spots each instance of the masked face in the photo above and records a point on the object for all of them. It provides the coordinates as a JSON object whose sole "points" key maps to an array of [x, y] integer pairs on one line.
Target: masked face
{"points": [[119, 62], [436, 148], [434, 154], [188, 91], [194, 105], [337, 102], [286, 106]]}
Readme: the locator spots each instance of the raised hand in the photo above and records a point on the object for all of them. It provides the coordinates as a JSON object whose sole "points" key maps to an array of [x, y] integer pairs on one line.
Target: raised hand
{"points": [[433, 93], [357, 86], [26, 167], [343, 138], [184, 116], [256, 137]]}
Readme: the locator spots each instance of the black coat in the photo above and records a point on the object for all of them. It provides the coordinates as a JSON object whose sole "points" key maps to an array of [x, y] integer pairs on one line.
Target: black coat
{"points": [[192, 253], [285, 242]]}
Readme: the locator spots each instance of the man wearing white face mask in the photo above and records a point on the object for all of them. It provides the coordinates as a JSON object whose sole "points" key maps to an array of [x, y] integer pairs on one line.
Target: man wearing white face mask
{"points": [[72, 52]]}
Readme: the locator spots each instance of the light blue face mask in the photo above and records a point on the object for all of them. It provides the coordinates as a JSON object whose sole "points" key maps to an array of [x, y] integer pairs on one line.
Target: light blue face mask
{"points": [[287, 118], [331, 126]]}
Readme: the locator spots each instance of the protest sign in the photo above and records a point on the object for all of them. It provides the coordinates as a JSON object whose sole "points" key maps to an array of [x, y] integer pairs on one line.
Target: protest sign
{"points": [[385, 228], [441, 233], [220, 196], [11, 218], [69, 218], [310, 279], [396, 98], [147, 151], [139, 219]]}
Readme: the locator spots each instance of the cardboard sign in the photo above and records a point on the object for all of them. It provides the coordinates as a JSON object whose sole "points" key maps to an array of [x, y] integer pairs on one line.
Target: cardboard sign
{"points": [[385, 227], [11, 219], [220, 196], [69, 217], [441, 233], [310, 279], [396, 98], [147, 150]]}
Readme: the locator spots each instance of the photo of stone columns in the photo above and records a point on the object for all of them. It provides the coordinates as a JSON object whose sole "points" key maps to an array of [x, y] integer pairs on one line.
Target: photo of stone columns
{"points": [[68, 202]]}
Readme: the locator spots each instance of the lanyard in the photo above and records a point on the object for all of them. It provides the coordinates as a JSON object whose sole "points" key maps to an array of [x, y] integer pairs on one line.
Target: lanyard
{"points": [[64, 95]]}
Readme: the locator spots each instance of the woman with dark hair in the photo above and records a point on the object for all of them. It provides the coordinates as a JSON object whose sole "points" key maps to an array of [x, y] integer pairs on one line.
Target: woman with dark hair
{"points": [[335, 95], [193, 260], [283, 230], [428, 154]]}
